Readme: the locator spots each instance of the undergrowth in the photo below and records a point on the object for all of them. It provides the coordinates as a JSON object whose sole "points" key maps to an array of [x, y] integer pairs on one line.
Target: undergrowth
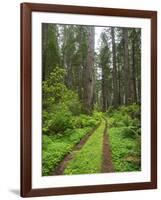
{"points": [[125, 138]]}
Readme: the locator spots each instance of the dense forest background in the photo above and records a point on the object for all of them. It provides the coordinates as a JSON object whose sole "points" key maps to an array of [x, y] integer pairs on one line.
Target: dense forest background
{"points": [[103, 73], [87, 71]]}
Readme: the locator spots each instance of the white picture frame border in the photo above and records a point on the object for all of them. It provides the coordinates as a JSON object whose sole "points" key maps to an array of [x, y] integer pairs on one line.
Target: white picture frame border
{"points": [[92, 179]]}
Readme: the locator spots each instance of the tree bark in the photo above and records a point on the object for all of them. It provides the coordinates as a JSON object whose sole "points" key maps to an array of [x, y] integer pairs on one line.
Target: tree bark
{"points": [[126, 67], [88, 74], [104, 90], [114, 73], [133, 68], [44, 49], [119, 85]]}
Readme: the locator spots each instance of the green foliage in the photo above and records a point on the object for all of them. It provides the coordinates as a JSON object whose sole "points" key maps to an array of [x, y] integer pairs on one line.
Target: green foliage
{"points": [[50, 49], [60, 104], [57, 121], [53, 88], [56, 147], [133, 110], [46, 142], [128, 132], [124, 134], [65, 59], [89, 158], [127, 118], [63, 123], [63, 134], [61, 120], [125, 151], [71, 100], [111, 109], [86, 120]]}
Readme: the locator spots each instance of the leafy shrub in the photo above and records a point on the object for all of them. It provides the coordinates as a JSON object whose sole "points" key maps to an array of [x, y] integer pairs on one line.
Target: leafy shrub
{"points": [[76, 122], [125, 116], [132, 110], [128, 132], [97, 115], [58, 121], [60, 104], [46, 142], [124, 134], [136, 122], [53, 88], [126, 151], [118, 119], [61, 121], [82, 121], [126, 120], [87, 121], [71, 100], [111, 110]]}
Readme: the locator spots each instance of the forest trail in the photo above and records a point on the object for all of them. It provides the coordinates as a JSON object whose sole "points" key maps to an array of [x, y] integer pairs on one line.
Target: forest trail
{"points": [[90, 73], [82, 155], [61, 167]]}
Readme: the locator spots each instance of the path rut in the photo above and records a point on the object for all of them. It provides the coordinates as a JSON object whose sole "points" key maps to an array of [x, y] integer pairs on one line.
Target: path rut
{"points": [[107, 160]]}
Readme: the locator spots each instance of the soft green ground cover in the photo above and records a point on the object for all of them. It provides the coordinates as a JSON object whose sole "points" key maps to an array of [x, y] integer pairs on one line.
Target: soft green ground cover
{"points": [[89, 158], [125, 138], [61, 133], [64, 121], [55, 148]]}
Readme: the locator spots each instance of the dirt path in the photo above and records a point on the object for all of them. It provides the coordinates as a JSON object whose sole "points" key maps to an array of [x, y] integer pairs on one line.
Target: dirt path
{"points": [[61, 167], [107, 160]]}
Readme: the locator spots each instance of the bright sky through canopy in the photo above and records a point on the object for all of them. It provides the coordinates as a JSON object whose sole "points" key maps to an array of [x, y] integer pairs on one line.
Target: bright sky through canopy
{"points": [[98, 31]]}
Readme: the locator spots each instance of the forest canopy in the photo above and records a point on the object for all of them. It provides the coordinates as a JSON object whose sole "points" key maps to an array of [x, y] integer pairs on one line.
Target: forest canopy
{"points": [[100, 64]]}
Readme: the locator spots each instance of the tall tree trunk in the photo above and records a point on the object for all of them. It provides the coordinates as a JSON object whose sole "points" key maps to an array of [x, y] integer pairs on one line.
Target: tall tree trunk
{"points": [[67, 56], [139, 90], [115, 92], [88, 74], [104, 90], [69, 78], [80, 82], [133, 69], [126, 67], [94, 89], [44, 49], [119, 85], [81, 64]]}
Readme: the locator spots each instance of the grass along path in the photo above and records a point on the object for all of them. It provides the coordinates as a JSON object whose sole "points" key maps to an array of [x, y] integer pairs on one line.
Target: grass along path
{"points": [[107, 165], [89, 158], [59, 170], [124, 130], [125, 151], [55, 148]]}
